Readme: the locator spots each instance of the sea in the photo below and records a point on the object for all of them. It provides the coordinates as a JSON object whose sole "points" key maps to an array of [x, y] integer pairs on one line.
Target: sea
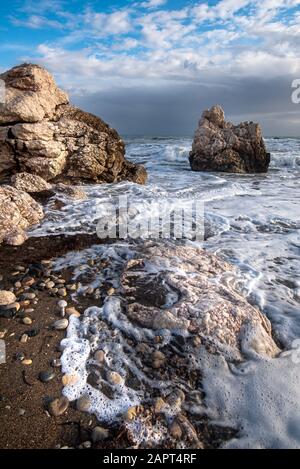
{"points": [[253, 222]]}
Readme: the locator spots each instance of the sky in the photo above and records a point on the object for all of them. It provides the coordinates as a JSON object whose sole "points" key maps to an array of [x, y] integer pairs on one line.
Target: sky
{"points": [[150, 67]]}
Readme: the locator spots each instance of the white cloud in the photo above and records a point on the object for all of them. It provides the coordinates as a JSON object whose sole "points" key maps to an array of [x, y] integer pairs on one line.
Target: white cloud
{"points": [[153, 3]]}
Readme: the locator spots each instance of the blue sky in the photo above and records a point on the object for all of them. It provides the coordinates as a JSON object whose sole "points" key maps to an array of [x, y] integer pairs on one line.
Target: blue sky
{"points": [[151, 66]]}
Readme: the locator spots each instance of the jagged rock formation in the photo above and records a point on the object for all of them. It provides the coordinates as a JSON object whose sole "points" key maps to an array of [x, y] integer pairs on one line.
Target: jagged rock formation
{"points": [[221, 146], [182, 296], [18, 211], [30, 183], [41, 134]]}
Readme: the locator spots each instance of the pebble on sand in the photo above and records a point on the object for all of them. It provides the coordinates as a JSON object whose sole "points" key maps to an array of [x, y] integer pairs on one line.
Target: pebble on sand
{"points": [[61, 324], [83, 404], [6, 298], [27, 321], [46, 376], [27, 362], [58, 406], [99, 434]]}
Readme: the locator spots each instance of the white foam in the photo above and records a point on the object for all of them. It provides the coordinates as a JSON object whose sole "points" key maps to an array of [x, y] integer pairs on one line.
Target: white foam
{"points": [[259, 398]]}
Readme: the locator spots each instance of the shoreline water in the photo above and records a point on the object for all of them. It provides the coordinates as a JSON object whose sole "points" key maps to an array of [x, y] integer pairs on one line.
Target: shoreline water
{"points": [[256, 215]]}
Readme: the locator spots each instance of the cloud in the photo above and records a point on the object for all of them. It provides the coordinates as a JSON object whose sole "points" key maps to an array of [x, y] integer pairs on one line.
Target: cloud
{"points": [[154, 46], [153, 3]]}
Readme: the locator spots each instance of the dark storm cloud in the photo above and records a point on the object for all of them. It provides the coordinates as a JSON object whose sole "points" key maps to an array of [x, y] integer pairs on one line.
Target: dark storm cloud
{"points": [[174, 109]]}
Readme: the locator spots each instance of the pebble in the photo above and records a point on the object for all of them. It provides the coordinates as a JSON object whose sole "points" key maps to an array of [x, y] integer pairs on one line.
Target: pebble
{"points": [[73, 312], [27, 321], [62, 292], [58, 406], [27, 361], [20, 268], [2, 334], [131, 414], [56, 363], [175, 431], [6, 298], [87, 444], [46, 376], [99, 434], [29, 311], [15, 306], [114, 377], [32, 332], [21, 412], [83, 404], [111, 291], [24, 338], [159, 405], [72, 287], [19, 356], [24, 303], [69, 380], [99, 356], [28, 281], [18, 285], [46, 262], [28, 296], [158, 359], [61, 324], [50, 285]]}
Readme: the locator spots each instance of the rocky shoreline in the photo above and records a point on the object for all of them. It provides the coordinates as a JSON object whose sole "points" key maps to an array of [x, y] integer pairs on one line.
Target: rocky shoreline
{"points": [[32, 379]]}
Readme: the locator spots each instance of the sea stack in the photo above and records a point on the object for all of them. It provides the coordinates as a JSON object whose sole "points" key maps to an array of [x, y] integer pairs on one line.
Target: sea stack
{"points": [[222, 146], [42, 134]]}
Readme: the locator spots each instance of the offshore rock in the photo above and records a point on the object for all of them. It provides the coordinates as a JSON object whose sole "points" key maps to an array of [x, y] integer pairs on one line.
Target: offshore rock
{"points": [[222, 146]]}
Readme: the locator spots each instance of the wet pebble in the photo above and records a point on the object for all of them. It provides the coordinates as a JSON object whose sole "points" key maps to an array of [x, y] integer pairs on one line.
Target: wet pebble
{"points": [[69, 380], [99, 434], [6, 297], [56, 363], [27, 361], [62, 292], [19, 356], [27, 321], [46, 376], [28, 296], [73, 311], [99, 356], [28, 281], [83, 404], [61, 324], [175, 431], [32, 332], [114, 378], [24, 338], [58, 406]]}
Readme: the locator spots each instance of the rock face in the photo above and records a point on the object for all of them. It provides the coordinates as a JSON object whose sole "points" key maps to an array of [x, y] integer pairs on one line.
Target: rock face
{"points": [[184, 297], [30, 183], [43, 135], [17, 212], [221, 146]]}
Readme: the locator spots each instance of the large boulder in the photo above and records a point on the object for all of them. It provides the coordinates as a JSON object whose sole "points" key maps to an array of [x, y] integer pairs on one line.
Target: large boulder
{"points": [[18, 211], [30, 183], [222, 146], [43, 135]]}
